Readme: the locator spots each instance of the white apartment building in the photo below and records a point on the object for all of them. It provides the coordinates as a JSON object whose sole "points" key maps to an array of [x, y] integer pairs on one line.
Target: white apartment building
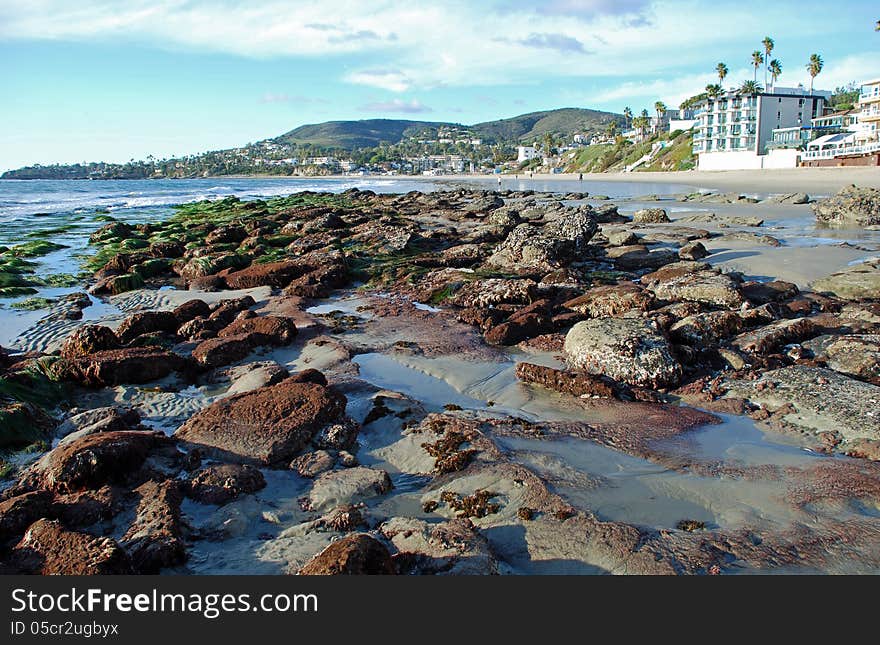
{"points": [[526, 153], [869, 117], [734, 129]]}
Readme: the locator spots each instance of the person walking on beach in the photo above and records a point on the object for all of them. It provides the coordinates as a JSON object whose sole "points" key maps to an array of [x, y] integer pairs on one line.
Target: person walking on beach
{"points": [[499, 182], [580, 176]]}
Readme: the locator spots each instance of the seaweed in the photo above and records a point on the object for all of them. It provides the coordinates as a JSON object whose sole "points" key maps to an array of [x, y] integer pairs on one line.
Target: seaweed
{"points": [[475, 505]]}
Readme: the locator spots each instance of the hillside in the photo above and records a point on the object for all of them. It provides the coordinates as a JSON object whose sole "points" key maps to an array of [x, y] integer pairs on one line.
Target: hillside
{"points": [[354, 134], [532, 126]]}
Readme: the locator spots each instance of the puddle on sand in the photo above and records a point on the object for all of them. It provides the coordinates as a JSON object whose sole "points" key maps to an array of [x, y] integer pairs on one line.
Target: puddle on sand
{"points": [[623, 488], [355, 306], [389, 374]]}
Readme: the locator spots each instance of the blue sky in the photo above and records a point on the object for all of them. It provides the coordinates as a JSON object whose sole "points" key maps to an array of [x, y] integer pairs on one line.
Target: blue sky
{"points": [[101, 80]]}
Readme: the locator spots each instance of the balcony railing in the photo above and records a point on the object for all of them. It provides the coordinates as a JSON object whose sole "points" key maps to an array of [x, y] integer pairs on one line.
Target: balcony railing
{"points": [[845, 151]]}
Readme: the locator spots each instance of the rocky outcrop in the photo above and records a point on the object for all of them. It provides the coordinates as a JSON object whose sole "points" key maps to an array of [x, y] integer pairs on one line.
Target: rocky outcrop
{"points": [[119, 366], [155, 538], [707, 286], [92, 461], [856, 355], [775, 335], [89, 339], [630, 350], [217, 352], [49, 549], [569, 382], [146, 322], [557, 244], [612, 300], [223, 483], [637, 257], [352, 555], [651, 216], [268, 426], [19, 512], [453, 547], [263, 330], [347, 486], [851, 207], [858, 282]]}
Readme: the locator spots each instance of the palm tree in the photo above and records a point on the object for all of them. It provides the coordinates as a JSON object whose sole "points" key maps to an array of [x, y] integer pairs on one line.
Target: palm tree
{"points": [[768, 49], [661, 109], [611, 129], [775, 70], [721, 70], [750, 88], [757, 61], [713, 91], [814, 67], [628, 115]]}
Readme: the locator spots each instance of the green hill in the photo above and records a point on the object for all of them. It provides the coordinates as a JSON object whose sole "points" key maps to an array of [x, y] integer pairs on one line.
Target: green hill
{"points": [[532, 126], [355, 134]]}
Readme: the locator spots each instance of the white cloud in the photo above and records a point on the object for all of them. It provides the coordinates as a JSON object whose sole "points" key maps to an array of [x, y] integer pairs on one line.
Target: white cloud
{"points": [[392, 80], [405, 45], [397, 105]]}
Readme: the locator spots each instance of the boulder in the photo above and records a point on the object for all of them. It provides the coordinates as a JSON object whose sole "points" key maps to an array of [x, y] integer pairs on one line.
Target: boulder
{"points": [[312, 464], [637, 256], [89, 339], [92, 461], [856, 355], [352, 555], [858, 282], [271, 274], [704, 329], [267, 426], [155, 538], [630, 350], [494, 291], [708, 286], [347, 486], [851, 207], [557, 244], [453, 547], [49, 549], [776, 335], [693, 251], [190, 309], [217, 352], [223, 483], [19, 512], [118, 366], [146, 322], [568, 382], [271, 330], [651, 216], [612, 300]]}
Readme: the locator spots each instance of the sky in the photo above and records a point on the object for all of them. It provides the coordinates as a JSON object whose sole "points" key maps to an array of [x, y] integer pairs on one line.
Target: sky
{"points": [[100, 80]]}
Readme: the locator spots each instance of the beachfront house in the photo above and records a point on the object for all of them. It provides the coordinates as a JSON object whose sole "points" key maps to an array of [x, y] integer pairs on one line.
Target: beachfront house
{"points": [[673, 120], [526, 153], [734, 129], [860, 144]]}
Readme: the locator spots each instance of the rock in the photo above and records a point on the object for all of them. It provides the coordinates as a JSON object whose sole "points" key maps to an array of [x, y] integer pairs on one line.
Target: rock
{"points": [[223, 483], [207, 265], [273, 330], [226, 235], [253, 376], [612, 300], [146, 322], [89, 339], [790, 198], [338, 436], [576, 383], [861, 281], [271, 274], [630, 350], [651, 216], [217, 352], [494, 291], [19, 512], [707, 286], [764, 292], [463, 255], [118, 366], [693, 251], [352, 555], [347, 486], [454, 547], [731, 358], [155, 540], [117, 284], [269, 426], [49, 549], [775, 335], [105, 419], [557, 244], [704, 329], [312, 464], [637, 256], [309, 376], [621, 238], [852, 206], [23, 423], [191, 309], [518, 328], [92, 461], [815, 399], [109, 231], [856, 355]]}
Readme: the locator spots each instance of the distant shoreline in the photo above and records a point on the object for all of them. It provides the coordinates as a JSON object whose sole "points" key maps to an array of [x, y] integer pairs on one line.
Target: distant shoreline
{"points": [[806, 180]]}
